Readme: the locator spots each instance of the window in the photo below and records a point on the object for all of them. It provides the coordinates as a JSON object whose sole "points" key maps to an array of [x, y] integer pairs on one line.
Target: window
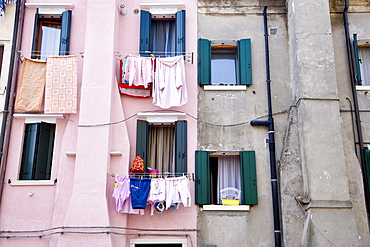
{"points": [[214, 172], [224, 64], [362, 61], [163, 147], [51, 34], [1, 57], [162, 34], [37, 152]]}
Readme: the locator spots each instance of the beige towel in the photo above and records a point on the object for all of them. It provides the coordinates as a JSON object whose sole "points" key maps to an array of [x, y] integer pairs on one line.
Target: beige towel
{"points": [[61, 84], [31, 85]]}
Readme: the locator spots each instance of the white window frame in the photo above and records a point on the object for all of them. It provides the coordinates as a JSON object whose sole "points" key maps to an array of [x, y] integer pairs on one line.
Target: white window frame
{"points": [[135, 241]]}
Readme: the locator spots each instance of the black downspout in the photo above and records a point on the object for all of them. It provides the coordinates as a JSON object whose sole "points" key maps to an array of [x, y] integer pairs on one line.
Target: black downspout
{"points": [[357, 112], [271, 141], [5, 126]]}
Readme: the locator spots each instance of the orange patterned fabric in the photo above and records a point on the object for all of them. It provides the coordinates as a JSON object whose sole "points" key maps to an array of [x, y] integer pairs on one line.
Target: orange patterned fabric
{"points": [[138, 165], [61, 84]]}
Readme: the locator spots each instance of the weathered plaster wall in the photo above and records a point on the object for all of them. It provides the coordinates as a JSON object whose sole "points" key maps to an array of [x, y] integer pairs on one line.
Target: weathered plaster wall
{"points": [[233, 20]]}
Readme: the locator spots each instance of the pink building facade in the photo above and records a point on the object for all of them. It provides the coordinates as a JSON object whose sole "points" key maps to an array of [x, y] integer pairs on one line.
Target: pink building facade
{"points": [[95, 141]]}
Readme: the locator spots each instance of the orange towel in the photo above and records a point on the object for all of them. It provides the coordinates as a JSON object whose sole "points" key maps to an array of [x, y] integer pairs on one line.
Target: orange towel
{"points": [[31, 85]]}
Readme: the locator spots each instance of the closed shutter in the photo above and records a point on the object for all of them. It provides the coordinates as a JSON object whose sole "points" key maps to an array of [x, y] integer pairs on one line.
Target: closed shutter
{"points": [[65, 33], [248, 177], [29, 151], [202, 178], [44, 152], [142, 139], [145, 27], [34, 53], [357, 60], [204, 62], [244, 62], [180, 32], [367, 168], [181, 145]]}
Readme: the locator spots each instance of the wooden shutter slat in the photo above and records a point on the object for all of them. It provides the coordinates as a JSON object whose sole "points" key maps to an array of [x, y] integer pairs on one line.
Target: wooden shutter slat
{"points": [[244, 62], [202, 178], [204, 62], [181, 135], [248, 177]]}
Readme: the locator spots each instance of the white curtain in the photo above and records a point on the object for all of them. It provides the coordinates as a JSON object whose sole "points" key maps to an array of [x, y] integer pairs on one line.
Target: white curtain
{"points": [[364, 55], [50, 40], [162, 149], [163, 38], [228, 174]]}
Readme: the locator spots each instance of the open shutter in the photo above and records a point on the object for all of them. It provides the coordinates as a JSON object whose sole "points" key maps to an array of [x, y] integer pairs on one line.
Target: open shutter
{"points": [[202, 178], [142, 139], [181, 144], [44, 152], [204, 62], [29, 151], [180, 32], [34, 53], [145, 26], [65, 33], [367, 168], [244, 62], [357, 60], [249, 177]]}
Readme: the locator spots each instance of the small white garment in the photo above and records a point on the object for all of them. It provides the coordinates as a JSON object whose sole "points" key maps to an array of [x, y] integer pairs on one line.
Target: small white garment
{"points": [[169, 87], [177, 191]]}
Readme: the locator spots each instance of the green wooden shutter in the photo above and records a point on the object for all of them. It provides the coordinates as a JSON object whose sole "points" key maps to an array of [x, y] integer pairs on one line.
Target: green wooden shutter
{"points": [[202, 178], [180, 32], [142, 139], [367, 168], [34, 53], [248, 177], [29, 151], [65, 32], [44, 152], [181, 145], [145, 26], [204, 62], [357, 60], [244, 62]]}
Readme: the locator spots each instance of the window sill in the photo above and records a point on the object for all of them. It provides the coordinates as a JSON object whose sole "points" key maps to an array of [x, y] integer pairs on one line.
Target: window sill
{"points": [[31, 182], [37, 118], [225, 87], [225, 208], [362, 88]]}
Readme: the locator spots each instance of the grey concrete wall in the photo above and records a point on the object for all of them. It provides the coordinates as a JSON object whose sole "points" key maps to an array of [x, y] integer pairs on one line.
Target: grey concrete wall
{"points": [[321, 189], [220, 20]]}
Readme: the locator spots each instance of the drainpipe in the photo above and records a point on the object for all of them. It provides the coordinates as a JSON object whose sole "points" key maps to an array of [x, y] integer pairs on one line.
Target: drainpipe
{"points": [[356, 107], [9, 96], [271, 141]]}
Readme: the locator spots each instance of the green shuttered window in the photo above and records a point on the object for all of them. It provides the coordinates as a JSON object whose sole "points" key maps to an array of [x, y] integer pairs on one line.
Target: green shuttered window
{"points": [[243, 62], [361, 49], [51, 35], [151, 39], [203, 178], [174, 151], [37, 152]]}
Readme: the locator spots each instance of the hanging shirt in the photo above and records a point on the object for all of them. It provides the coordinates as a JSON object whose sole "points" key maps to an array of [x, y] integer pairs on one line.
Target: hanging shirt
{"points": [[122, 196], [157, 192], [169, 87]]}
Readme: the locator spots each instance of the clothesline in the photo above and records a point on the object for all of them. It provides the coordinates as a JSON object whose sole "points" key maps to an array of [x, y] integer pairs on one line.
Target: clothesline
{"points": [[189, 175]]}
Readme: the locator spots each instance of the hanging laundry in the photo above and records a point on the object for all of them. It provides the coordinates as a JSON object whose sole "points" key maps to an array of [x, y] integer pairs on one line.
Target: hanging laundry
{"points": [[2, 10], [157, 193], [169, 87], [31, 85], [177, 191], [139, 189], [122, 196], [61, 84], [137, 74]]}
